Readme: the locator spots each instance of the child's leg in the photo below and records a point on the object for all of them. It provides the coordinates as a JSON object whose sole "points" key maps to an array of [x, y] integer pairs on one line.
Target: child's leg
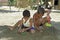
{"points": [[19, 29], [44, 27], [11, 27], [43, 23]]}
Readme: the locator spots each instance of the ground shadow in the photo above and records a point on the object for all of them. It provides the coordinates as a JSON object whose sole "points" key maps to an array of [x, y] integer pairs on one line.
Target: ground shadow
{"points": [[49, 34]]}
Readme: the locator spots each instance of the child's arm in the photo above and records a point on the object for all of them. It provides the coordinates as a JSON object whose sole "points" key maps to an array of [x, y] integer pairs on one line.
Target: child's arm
{"points": [[19, 23]]}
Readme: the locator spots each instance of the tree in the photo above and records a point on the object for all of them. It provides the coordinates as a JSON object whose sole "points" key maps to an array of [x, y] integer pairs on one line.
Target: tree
{"points": [[22, 3], [11, 2]]}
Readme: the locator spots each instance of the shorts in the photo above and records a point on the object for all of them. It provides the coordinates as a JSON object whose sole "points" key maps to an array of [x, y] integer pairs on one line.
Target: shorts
{"points": [[23, 27], [32, 28]]}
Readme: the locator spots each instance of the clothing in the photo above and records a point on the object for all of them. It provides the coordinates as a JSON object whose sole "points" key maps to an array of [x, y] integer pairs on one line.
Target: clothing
{"points": [[48, 25], [23, 26], [32, 28], [27, 23]]}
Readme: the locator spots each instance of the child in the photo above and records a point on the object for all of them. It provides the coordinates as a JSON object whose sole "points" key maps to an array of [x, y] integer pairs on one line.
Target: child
{"points": [[48, 20], [37, 18], [25, 23]]}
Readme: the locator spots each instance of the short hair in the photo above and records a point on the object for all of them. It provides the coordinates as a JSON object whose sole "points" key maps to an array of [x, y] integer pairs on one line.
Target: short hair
{"points": [[26, 13], [40, 10]]}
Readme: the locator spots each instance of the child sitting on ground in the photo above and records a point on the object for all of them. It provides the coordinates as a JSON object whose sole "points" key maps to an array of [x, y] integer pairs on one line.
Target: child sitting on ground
{"points": [[48, 19], [37, 18], [25, 24]]}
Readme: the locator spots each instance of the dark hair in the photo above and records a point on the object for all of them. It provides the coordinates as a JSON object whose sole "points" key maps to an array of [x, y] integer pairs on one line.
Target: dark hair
{"points": [[26, 13], [40, 10]]}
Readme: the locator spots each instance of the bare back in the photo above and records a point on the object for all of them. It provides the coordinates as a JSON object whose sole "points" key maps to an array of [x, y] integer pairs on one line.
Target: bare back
{"points": [[36, 19]]}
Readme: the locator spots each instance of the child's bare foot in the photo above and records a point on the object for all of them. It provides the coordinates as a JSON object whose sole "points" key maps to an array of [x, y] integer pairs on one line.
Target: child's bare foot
{"points": [[10, 27]]}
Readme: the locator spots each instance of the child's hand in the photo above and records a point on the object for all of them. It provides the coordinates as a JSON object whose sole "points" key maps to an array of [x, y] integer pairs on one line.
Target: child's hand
{"points": [[10, 27], [23, 30]]}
